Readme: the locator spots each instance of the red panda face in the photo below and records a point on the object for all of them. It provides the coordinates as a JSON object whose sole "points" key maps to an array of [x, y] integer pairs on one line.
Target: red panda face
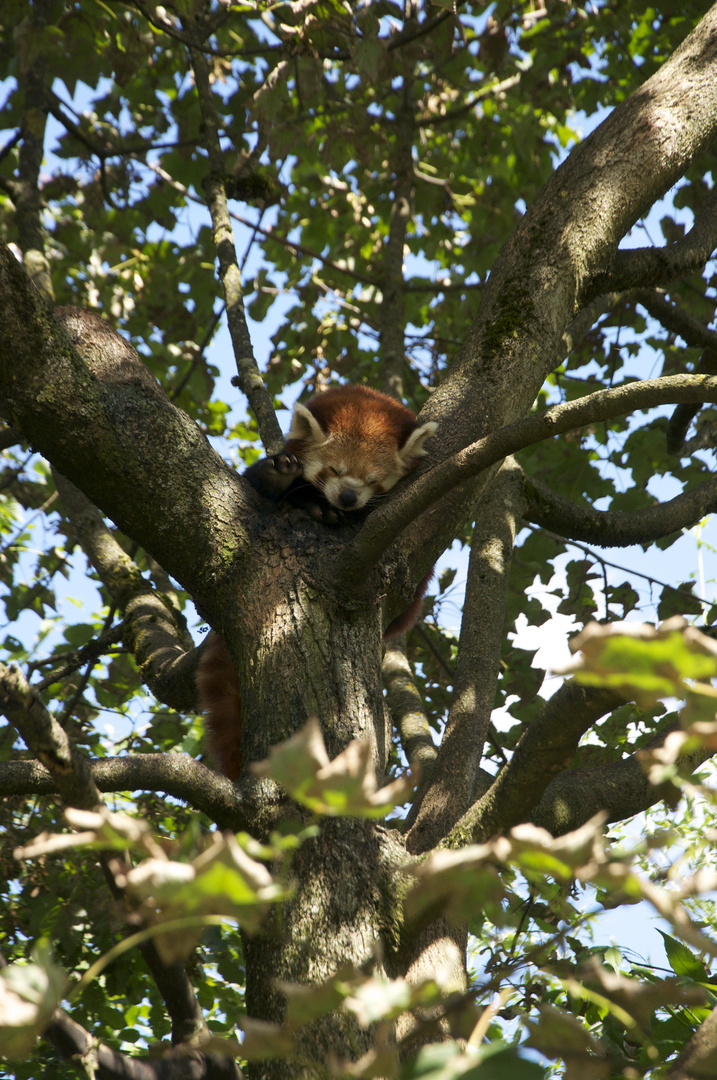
{"points": [[355, 444]]}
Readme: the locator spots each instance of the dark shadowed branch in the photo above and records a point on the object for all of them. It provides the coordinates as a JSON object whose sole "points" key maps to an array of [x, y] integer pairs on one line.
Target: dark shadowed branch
{"points": [[674, 319], [74, 659], [641, 267], [622, 789], [75, 1043], [582, 324], [617, 528], [680, 323], [9, 436], [178, 775]]}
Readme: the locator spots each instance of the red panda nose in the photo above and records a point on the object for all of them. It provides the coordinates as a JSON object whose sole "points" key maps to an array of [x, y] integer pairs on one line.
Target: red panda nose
{"points": [[347, 497]]}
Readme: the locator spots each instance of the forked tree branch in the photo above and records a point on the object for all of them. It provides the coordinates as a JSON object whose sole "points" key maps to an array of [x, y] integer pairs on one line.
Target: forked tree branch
{"points": [[643, 267], [173, 494], [543, 751]]}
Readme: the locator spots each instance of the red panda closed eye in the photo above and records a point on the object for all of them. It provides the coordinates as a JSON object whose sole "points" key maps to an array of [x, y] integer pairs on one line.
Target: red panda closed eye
{"points": [[345, 448]]}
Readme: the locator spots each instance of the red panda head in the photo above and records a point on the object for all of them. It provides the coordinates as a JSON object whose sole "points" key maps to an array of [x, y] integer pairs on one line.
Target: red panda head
{"points": [[355, 443]]}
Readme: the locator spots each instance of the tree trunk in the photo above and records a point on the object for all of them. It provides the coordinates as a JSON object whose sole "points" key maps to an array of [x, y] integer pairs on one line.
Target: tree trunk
{"points": [[303, 652], [344, 914], [299, 654]]}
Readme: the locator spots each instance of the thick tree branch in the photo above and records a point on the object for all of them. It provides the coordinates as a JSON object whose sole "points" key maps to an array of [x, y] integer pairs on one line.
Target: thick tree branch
{"points": [[378, 533], [544, 750], [249, 377], [173, 494], [617, 528], [75, 1043], [622, 789], [154, 631], [477, 665], [178, 775]]}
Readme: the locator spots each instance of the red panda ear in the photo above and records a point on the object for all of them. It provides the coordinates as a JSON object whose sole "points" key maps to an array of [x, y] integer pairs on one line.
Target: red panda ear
{"points": [[306, 427], [413, 446]]}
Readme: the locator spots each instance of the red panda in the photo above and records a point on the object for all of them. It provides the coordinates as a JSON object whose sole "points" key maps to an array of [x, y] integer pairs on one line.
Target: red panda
{"points": [[345, 448]]}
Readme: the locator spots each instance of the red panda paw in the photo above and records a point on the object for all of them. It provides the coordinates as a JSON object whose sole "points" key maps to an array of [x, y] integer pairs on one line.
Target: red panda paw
{"points": [[288, 465], [325, 514], [273, 476]]}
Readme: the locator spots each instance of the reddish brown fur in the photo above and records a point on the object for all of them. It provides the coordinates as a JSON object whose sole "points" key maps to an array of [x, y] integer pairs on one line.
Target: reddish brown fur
{"points": [[218, 688], [371, 416], [402, 623]]}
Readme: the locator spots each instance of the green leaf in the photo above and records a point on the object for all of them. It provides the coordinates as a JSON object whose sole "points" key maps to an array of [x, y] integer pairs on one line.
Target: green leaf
{"points": [[682, 960]]}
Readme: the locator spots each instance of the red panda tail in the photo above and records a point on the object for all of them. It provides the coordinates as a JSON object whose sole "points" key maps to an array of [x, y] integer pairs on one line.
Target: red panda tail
{"points": [[219, 698], [405, 621]]}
